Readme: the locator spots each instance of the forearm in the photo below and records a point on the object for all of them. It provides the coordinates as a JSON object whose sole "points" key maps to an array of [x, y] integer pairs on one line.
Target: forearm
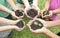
{"points": [[26, 3], [6, 21], [5, 9], [11, 2], [52, 23], [35, 2], [47, 2], [50, 34], [56, 11], [4, 28]]}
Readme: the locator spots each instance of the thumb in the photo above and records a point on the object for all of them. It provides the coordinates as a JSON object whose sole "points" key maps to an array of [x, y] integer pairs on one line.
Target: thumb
{"points": [[17, 28], [15, 17]]}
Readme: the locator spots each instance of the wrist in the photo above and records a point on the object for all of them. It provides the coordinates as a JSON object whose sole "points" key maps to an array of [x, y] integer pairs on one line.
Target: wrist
{"points": [[12, 22], [51, 12], [27, 5], [48, 24], [34, 5], [11, 12], [11, 27], [14, 27]]}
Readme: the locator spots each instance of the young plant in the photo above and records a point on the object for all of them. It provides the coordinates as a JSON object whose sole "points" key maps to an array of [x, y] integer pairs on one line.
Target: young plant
{"points": [[36, 25], [46, 13]]}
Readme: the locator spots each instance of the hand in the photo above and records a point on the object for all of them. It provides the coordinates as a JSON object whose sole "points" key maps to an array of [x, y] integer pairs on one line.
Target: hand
{"points": [[16, 28], [45, 23], [19, 25], [14, 16], [41, 13], [49, 15]]}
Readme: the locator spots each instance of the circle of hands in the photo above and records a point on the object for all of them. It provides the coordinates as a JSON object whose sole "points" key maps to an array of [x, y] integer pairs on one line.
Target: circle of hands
{"points": [[45, 27]]}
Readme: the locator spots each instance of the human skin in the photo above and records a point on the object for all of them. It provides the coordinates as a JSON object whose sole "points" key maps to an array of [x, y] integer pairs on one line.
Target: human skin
{"points": [[44, 28], [46, 7], [2, 8], [11, 2]]}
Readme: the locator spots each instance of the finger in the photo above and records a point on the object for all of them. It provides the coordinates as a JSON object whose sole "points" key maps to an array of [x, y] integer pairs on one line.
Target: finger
{"points": [[16, 28], [46, 16], [42, 21], [16, 16], [50, 15]]}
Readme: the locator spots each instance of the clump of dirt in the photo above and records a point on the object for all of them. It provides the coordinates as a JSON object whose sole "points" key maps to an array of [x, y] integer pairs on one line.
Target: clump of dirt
{"points": [[18, 13], [36, 25], [32, 13], [20, 24]]}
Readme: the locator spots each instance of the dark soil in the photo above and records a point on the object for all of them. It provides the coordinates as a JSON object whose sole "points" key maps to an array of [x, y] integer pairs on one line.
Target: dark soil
{"points": [[45, 13], [18, 13], [41, 17], [20, 24], [35, 27], [32, 13], [58, 34]]}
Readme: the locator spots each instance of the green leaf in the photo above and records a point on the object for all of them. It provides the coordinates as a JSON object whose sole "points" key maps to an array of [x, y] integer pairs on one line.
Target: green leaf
{"points": [[36, 23]]}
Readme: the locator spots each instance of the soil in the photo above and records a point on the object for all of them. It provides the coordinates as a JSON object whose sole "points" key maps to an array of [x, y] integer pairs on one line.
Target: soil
{"points": [[41, 17], [18, 13], [45, 13], [32, 13], [58, 34], [46, 19], [35, 27], [20, 24]]}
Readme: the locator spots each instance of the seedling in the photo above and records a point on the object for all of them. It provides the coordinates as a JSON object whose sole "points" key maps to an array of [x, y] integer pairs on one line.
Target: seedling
{"points": [[45, 13], [38, 26], [43, 18]]}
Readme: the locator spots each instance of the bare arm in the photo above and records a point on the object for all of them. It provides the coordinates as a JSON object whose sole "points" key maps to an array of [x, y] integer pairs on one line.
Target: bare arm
{"points": [[4, 28], [26, 3], [47, 2], [5, 9], [11, 2], [50, 34], [6, 21], [8, 11], [56, 11], [35, 2], [52, 23]]}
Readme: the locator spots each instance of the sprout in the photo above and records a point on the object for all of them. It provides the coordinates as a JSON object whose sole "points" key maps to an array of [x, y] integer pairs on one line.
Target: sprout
{"points": [[46, 12], [40, 25], [36, 23]]}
